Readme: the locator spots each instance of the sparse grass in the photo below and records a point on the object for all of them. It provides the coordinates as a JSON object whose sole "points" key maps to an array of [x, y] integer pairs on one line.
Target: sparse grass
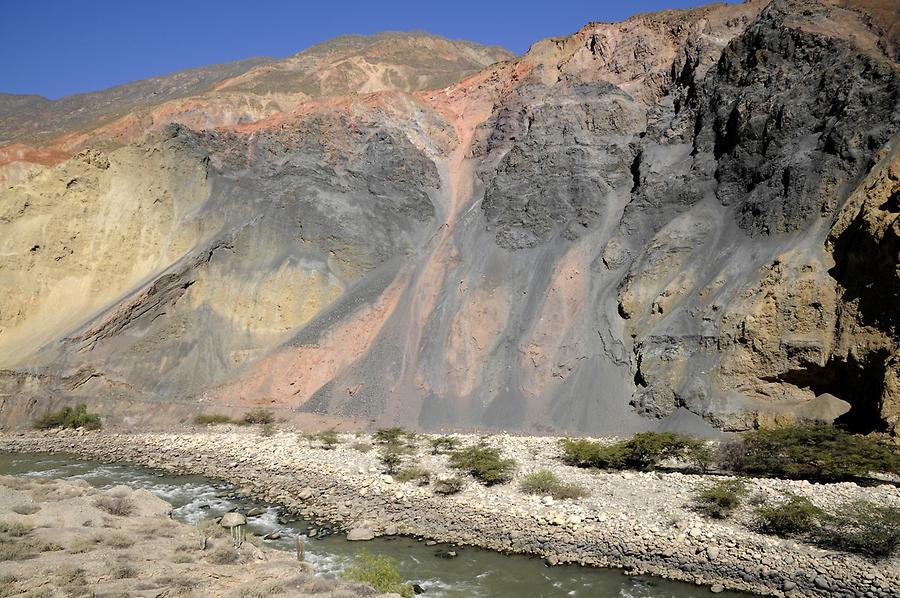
{"points": [[120, 506], [267, 430], [26, 509], [362, 447], [258, 416], [484, 463], [123, 571], [721, 498], [544, 482], [443, 444], [8, 585], [391, 460], [15, 529], [379, 571], [447, 486], [69, 418], [269, 589], [70, 575], [795, 515], [212, 419], [862, 527], [118, 541], [813, 452], [224, 555], [642, 451], [83, 545], [419, 475]]}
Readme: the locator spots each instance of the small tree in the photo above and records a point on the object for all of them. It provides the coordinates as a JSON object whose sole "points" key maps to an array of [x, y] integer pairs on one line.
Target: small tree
{"points": [[443, 444], [484, 463], [391, 461], [863, 527], [328, 438]]}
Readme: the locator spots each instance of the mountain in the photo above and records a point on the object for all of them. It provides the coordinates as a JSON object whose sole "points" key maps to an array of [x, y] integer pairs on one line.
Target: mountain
{"points": [[684, 220]]}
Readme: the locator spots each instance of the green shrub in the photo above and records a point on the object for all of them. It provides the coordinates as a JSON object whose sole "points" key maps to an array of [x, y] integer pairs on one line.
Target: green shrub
{"points": [[443, 444], [391, 460], [14, 529], [544, 481], [68, 417], [379, 571], [814, 452], [447, 486], [362, 447], [328, 439], [642, 451], [793, 516], [268, 429], [212, 419], [420, 475], [721, 498], [701, 456], [392, 435], [862, 527], [484, 464], [259, 416]]}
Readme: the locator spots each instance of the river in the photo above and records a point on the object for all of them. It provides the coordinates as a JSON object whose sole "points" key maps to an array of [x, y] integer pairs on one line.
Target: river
{"points": [[473, 573]]}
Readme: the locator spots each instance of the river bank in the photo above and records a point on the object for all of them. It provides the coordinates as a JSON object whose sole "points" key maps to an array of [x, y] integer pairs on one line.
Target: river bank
{"points": [[642, 522], [67, 538]]}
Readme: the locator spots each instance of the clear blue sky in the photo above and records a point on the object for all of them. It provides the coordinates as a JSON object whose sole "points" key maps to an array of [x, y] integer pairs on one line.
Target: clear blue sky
{"points": [[55, 48]]}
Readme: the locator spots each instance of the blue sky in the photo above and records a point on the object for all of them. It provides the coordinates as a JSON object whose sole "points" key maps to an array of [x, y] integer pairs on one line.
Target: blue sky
{"points": [[55, 48]]}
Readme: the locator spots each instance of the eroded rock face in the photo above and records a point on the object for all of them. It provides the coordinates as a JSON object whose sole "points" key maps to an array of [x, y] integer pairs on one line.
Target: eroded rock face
{"points": [[688, 218]]}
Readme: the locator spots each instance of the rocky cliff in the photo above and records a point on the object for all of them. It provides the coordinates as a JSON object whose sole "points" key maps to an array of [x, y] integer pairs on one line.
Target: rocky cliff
{"points": [[685, 219]]}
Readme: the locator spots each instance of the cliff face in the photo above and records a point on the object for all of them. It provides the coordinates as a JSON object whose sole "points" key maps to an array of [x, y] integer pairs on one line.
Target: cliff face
{"points": [[687, 216]]}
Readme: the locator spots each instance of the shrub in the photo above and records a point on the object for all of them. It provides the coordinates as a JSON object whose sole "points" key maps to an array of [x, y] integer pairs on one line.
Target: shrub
{"points": [[68, 417], [225, 555], [14, 529], [447, 486], [212, 419], [484, 464], [701, 456], [862, 527], [392, 435], [443, 444], [362, 447], [544, 481], [120, 506], [123, 571], [420, 475], [721, 498], [642, 451], [391, 460], [814, 452], [328, 438], [379, 571], [795, 515], [259, 416], [267, 430]]}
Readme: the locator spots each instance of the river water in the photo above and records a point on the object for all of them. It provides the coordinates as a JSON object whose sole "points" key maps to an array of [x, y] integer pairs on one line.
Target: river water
{"points": [[473, 573]]}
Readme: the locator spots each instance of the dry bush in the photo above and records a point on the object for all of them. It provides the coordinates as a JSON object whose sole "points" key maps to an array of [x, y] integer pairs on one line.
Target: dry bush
{"points": [[120, 506]]}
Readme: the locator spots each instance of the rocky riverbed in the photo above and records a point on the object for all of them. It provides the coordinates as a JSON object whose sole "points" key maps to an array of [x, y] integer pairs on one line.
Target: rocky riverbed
{"points": [[642, 522], [66, 538]]}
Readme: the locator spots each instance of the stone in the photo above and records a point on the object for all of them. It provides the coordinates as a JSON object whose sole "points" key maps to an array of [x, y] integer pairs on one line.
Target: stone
{"points": [[712, 553], [788, 585], [360, 534], [821, 583], [305, 494], [255, 512], [717, 588], [232, 520]]}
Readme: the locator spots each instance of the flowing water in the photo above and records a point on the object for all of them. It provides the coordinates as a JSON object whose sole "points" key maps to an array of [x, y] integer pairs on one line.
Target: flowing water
{"points": [[472, 573]]}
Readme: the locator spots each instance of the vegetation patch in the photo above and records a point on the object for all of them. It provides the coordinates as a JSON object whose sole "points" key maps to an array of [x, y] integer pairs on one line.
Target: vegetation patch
{"points": [[259, 416], [443, 444], [484, 463], [212, 419], [419, 475], [362, 447], [328, 439], [642, 451], [120, 506], [544, 482], [862, 527], [814, 452], [447, 486], [379, 571], [795, 515], [69, 418], [721, 498], [392, 435]]}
